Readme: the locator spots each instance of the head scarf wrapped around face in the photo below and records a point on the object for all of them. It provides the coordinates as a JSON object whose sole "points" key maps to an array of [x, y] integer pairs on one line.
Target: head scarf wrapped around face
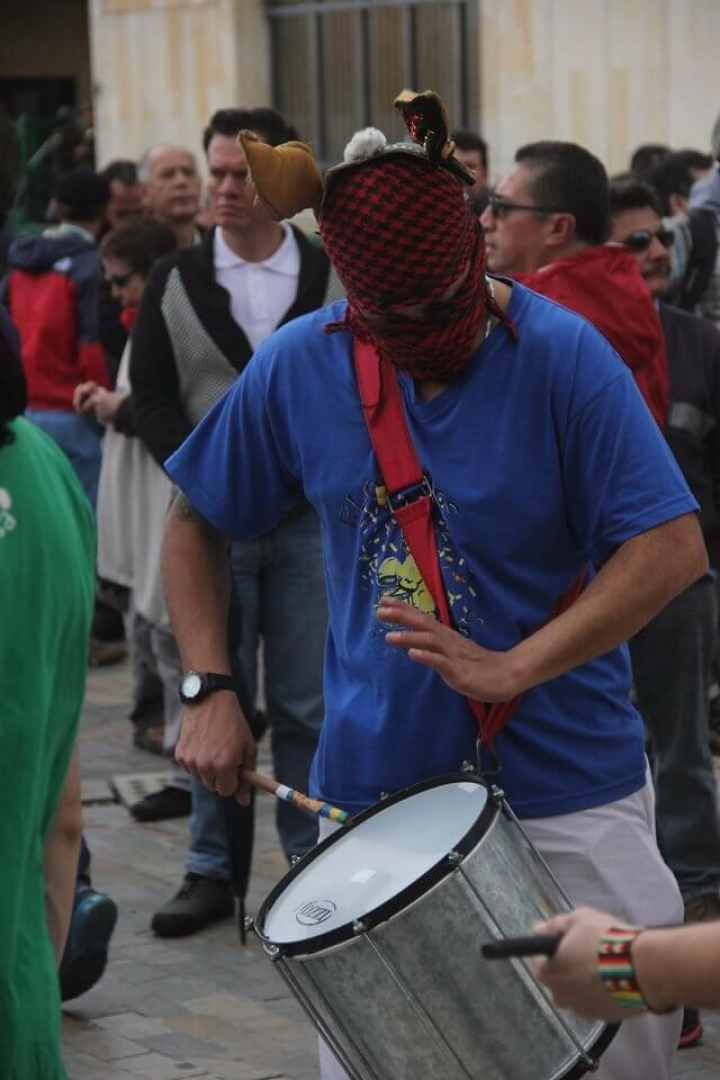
{"points": [[400, 233]]}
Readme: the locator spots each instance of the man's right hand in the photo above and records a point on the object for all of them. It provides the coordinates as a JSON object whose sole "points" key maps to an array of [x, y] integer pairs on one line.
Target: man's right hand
{"points": [[84, 397], [215, 743]]}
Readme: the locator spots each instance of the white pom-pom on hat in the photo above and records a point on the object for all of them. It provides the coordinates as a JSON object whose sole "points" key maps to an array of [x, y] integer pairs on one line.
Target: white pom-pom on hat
{"points": [[365, 144]]}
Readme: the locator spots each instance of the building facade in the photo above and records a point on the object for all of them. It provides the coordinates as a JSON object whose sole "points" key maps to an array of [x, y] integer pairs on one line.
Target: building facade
{"points": [[609, 74]]}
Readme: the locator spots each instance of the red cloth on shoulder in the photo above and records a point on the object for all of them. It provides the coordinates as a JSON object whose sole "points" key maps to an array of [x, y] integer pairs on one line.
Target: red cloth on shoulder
{"points": [[605, 285]]}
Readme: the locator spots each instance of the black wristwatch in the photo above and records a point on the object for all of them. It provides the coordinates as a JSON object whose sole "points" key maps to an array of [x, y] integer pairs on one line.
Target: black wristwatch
{"points": [[196, 685]]}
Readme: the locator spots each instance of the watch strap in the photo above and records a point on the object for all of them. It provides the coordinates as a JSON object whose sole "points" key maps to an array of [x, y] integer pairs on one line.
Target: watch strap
{"points": [[214, 681], [209, 682]]}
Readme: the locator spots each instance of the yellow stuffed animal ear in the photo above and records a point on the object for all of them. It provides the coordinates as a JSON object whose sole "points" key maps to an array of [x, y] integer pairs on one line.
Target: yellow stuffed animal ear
{"points": [[286, 177]]}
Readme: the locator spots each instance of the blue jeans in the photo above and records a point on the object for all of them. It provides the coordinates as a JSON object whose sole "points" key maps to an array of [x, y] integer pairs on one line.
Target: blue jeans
{"points": [[80, 438], [280, 585], [672, 659]]}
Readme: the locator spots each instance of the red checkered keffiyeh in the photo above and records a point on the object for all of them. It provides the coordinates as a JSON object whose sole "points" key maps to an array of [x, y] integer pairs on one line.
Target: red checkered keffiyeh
{"points": [[400, 232]]}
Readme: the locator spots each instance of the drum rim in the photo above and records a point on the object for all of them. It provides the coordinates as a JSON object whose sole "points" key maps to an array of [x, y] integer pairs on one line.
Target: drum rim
{"points": [[595, 1050], [440, 870]]}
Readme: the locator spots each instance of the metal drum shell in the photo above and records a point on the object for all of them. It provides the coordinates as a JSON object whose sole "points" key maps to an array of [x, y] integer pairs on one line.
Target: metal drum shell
{"points": [[408, 994]]}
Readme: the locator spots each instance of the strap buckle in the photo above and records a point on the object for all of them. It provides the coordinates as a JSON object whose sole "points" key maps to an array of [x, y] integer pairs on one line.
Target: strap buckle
{"points": [[410, 494]]}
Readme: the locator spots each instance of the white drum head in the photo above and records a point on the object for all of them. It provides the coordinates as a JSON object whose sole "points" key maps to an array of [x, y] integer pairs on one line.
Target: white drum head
{"points": [[373, 862]]}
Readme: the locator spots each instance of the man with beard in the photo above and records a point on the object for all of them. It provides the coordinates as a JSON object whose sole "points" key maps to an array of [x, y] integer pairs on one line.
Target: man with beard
{"points": [[546, 473], [672, 655]]}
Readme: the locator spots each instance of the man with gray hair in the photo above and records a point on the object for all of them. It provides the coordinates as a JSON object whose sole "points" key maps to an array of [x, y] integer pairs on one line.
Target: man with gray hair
{"points": [[172, 185]]}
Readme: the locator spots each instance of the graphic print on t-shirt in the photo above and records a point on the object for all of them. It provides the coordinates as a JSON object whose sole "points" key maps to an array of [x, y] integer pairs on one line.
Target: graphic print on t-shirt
{"points": [[7, 520], [387, 568]]}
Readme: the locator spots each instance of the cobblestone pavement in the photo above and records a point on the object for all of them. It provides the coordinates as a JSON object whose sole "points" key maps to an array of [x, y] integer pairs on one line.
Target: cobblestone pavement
{"points": [[198, 1007]]}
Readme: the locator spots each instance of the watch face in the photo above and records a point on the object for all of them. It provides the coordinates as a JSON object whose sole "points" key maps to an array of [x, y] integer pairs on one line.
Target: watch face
{"points": [[191, 685]]}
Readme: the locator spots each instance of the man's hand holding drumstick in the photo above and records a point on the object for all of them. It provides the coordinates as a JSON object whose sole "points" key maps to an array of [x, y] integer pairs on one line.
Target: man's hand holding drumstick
{"points": [[216, 741]]}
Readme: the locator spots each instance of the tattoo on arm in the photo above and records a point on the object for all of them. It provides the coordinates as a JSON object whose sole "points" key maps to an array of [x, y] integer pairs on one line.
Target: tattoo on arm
{"points": [[184, 509]]}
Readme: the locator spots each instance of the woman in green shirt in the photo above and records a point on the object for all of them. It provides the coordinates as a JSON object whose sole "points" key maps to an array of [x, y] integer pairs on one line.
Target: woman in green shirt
{"points": [[47, 540]]}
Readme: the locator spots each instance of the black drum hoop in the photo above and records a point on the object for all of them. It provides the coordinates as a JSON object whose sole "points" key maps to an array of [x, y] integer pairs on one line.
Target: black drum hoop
{"points": [[414, 891], [596, 1048]]}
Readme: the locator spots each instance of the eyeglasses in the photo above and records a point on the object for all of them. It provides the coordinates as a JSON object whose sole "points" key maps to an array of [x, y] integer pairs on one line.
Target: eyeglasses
{"points": [[119, 281], [640, 240], [500, 208]]}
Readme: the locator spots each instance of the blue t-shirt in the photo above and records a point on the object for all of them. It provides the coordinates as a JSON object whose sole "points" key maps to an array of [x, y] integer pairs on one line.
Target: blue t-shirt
{"points": [[542, 456]]}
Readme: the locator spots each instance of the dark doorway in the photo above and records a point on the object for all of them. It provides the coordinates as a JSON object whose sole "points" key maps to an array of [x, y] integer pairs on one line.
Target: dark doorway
{"points": [[37, 98], [41, 119]]}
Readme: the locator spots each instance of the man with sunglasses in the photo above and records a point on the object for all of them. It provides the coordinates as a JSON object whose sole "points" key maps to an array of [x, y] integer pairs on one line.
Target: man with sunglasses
{"points": [[546, 225], [672, 655]]}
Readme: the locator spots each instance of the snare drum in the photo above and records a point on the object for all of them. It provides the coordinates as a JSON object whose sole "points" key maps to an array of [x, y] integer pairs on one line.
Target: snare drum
{"points": [[378, 933]]}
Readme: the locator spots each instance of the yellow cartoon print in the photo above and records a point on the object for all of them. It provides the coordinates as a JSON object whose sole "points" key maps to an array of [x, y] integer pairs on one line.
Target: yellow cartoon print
{"points": [[402, 581], [386, 567]]}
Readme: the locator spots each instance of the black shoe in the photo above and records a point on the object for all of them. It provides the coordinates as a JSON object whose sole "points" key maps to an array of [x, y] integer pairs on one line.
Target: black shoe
{"points": [[149, 737], [199, 902], [93, 921], [103, 653], [169, 802], [692, 1029]]}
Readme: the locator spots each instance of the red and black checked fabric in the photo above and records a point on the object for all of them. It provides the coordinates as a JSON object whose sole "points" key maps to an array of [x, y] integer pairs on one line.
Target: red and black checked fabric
{"points": [[397, 228], [400, 232]]}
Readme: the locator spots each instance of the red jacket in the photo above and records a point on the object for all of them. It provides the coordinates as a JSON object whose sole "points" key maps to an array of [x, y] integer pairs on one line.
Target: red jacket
{"points": [[604, 284], [52, 297]]}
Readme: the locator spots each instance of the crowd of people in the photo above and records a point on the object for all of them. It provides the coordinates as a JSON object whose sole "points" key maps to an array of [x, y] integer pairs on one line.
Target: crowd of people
{"points": [[555, 339]]}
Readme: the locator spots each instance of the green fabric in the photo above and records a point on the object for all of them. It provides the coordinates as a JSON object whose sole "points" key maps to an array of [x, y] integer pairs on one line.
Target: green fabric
{"points": [[47, 541]]}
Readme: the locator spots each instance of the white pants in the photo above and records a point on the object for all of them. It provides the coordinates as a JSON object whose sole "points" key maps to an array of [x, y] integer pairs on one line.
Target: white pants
{"points": [[607, 858]]}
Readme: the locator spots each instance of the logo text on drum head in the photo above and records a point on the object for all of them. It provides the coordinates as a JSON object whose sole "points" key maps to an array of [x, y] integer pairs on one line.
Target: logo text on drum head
{"points": [[315, 912]]}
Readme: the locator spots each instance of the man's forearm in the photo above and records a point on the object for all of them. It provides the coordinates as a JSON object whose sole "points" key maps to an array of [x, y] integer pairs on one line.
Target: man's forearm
{"points": [[634, 585], [196, 579], [215, 742]]}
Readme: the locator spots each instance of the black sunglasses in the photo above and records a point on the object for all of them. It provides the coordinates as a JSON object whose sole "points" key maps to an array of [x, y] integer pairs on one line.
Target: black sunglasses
{"points": [[120, 280], [640, 240], [500, 207]]}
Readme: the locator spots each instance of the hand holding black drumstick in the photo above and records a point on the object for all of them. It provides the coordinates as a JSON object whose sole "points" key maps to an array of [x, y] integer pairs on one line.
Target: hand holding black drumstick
{"points": [[670, 966]]}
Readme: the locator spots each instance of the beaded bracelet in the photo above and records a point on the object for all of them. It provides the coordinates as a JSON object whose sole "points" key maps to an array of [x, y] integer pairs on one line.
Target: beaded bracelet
{"points": [[616, 969]]}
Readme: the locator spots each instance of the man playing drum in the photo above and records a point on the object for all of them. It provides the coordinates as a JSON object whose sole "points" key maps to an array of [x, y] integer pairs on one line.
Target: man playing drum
{"points": [[548, 477]]}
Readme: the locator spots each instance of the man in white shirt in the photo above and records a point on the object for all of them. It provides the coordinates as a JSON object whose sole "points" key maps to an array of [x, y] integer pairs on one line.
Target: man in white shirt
{"points": [[204, 311]]}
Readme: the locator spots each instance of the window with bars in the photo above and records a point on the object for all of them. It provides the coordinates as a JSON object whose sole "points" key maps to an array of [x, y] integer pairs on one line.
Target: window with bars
{"points": [[338, 64]]}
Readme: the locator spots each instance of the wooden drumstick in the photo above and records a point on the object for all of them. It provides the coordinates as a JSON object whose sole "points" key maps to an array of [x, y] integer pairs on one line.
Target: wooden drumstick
{"points": [[287, 794]]}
